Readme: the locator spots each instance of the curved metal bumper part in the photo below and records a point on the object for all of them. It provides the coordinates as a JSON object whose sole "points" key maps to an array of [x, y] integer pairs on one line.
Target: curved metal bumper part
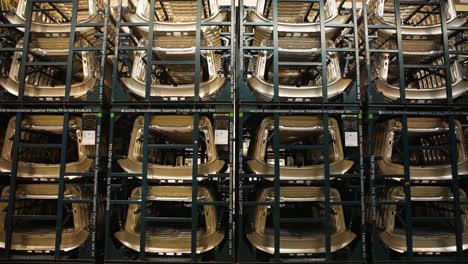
{"points": [[177, 129], [51, 124], [175, 16], [171, 240], [57, 21], [180, 81], [427, 27], [426, 84], [296, 128], [297, 49], [294, 17], [32, 238], [427, 240], [46, 83], [294, 242], [421, 162]]}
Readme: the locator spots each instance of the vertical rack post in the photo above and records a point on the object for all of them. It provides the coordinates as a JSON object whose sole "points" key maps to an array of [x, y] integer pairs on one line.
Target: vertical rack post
{"points": [[71, 51], [107, 220], [323, 52], [455, 186], [97, 165], [25, 52], [13, 176], [356, 54], [275, 53], [326, 168], [196, 136], [144, 183], [61, 189], [149, 51], [445, 44], [276, 207], [401, 65], [196, 97], [407, 187]]}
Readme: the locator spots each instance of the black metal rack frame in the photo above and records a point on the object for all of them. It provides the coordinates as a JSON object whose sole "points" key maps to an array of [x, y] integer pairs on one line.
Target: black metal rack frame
{"points": [[355, 179], [378, 182], [125, 45], [448, 36], [102, 29], [89, 179], [349, 30], [116, 180]]}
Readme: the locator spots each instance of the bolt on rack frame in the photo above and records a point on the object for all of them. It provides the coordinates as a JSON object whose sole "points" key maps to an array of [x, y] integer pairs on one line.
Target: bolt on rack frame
{"points": [[277, 188], [53, 52], [418, 184], [183, 54], [299, 52], [49, 174], [418, 45], [169, 188]]}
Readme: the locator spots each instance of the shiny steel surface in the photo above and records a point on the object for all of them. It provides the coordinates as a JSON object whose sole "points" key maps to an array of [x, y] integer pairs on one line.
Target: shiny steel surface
{"points": [[41, 163], [165, 238], [305, 165]]}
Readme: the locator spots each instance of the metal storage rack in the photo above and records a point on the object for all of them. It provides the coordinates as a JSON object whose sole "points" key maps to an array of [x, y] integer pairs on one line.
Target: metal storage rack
{"points": [[452, 53], [380, 182], [74, 121], [87, 180], [97, 43], [405, 114], [129, 40], [120, 182], [345, 29], [350, 185], [126, 107], [345, 106]]}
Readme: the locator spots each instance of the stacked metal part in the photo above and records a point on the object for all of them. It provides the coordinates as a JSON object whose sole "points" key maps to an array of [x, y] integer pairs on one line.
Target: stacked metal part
{"points": [[44, 40], [303, 193], [168, 162], [185, 64], [168, 188], [303, 44], [52, 57], [418, 155], [47, 207], [297, 56], [422, 64], [425, 164]]}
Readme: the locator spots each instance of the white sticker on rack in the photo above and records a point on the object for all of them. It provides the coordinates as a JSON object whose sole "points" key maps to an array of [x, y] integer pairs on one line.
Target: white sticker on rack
{"points": [[221, 136], [351, 139], [89, 138]]}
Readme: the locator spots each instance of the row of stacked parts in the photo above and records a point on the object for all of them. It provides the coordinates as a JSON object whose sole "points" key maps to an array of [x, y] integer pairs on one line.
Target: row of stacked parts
{"points": [[304, 157], [110, 51]]}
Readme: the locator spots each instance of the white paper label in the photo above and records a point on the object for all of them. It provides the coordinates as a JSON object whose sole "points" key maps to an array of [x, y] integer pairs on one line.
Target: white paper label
{"points": [[89, 137], [351, 139], [221, 136]]}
